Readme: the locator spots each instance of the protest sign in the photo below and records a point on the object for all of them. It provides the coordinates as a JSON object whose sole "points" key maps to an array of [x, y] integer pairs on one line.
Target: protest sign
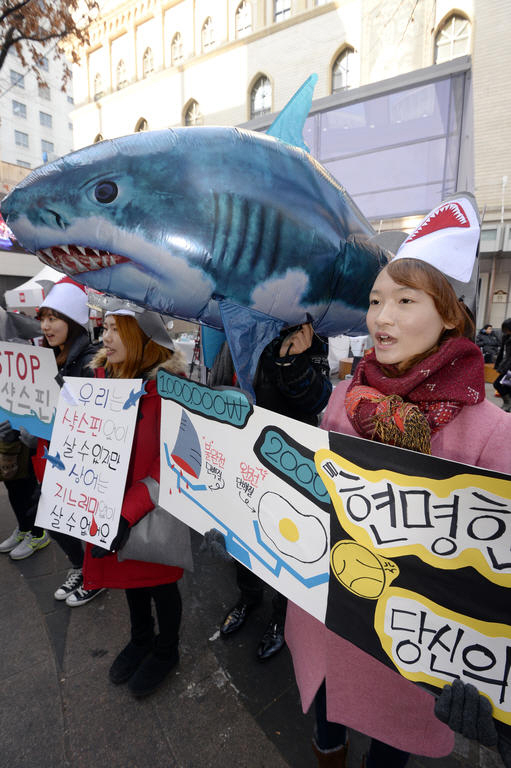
{"points": [[411, 563], [28, 389], [88, 458]]}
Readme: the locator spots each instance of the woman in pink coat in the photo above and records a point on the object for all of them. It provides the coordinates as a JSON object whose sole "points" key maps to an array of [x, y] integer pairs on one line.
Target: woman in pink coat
{"points": [[422, 388]]}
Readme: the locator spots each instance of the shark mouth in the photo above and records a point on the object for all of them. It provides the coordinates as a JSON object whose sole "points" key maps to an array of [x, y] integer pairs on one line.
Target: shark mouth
{"points": [[77, 258], [449, 214]]}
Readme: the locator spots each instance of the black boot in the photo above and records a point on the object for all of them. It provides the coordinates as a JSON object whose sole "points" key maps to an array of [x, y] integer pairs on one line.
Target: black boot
{"points": [[272, 641], [152, 672], [236, 616], [128, 661]]}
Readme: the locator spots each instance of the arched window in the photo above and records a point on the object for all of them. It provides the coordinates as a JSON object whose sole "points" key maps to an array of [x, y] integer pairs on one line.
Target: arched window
{"points": [[192, 115], [147, 62], [342, 70], [142, 125], [98, 137], [243, 19], [260, 97], [208, 34], [281, 10], [452, 39], [98, 87], [120, 75], [176, 49]]}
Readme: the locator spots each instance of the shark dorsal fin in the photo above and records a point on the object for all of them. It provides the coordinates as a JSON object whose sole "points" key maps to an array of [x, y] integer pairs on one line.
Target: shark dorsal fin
{"points": [[289, 123]]}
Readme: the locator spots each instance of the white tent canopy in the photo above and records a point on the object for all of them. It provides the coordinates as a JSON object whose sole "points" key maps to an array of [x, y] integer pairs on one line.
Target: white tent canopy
{"points": [[28, 296]]}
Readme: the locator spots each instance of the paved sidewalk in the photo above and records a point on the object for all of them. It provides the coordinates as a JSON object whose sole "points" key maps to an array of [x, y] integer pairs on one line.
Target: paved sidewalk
{"points": [[221, 707]]}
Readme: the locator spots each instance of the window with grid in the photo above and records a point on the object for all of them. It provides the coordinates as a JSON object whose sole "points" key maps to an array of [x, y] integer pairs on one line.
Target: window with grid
{"points": [[260, 97], [147, 62], [121, 80], [19, 109], [98, 87], [46, 146], [45, 119], [44, 92], [23, 163], [342, 76], [452, 39], [193, 114], [208, 34], [176, 49], [21, 139], [243, 19], [281, 10], [17, 79]]}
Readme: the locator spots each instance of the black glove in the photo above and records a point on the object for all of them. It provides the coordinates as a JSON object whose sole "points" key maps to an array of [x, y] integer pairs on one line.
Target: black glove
{"points": [[118, 541], [465, 711], [214, 543]]}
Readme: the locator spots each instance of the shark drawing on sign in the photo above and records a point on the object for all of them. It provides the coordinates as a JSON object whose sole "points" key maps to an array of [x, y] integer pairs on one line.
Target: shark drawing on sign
{"points": [[218, 225], [134, 397], [55, 461]]}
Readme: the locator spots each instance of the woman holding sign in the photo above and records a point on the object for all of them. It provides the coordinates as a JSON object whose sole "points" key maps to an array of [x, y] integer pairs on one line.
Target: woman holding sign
{"points": [[420, 388], [64, 317], [136, 344]]}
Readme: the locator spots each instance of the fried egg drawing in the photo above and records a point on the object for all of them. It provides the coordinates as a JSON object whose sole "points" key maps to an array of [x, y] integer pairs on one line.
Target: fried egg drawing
{"points": [[302, 537]]}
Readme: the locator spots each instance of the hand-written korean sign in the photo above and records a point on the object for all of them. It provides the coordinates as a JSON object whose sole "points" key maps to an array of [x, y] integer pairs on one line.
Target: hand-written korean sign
{"points": [[28, 390], [462, 520], [433, 645], [88, 458]]}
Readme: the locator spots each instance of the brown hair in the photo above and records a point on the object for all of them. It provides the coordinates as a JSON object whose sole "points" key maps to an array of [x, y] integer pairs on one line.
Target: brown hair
{"points": [[422, 276], [74, 330], [142, 354]]}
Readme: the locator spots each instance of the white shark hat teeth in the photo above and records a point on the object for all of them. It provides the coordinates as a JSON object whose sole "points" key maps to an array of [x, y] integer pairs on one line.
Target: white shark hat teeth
{"points": [[70, 299], [447, 238]]}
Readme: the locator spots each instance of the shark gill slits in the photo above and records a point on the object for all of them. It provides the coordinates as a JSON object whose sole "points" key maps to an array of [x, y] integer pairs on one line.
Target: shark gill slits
{"points": [[106, 191]]}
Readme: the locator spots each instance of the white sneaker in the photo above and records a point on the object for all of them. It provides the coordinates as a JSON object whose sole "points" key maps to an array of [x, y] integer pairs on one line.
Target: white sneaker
{"points": [[82, 596], [29, 545], [14, 539], [73, 581]]}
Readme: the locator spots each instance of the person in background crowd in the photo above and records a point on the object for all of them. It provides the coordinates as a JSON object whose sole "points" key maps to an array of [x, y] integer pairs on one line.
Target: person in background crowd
{"points": [[292, 379], [503, 365], [421, 388], [64, 316], [17, 472], [135, 345], [488, 342]]}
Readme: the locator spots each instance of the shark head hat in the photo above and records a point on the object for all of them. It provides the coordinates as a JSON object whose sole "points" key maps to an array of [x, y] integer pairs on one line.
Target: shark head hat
{"points": [[448, 239], [152, 323]]}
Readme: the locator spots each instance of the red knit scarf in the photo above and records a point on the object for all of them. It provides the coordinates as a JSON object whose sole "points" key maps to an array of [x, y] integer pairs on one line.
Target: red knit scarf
{"points": [[408, 409]]}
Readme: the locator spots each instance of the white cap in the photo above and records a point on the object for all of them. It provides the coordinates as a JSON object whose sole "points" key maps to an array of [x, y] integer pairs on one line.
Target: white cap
{"points": [[447, 238], [69, 299]]}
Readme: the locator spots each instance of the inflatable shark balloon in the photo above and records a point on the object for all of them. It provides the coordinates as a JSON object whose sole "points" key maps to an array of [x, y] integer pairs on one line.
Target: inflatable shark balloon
{"points": [[237, 230]]}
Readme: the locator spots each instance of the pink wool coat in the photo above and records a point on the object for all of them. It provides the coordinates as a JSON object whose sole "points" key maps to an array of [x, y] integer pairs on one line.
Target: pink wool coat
{"points": [[362, 693]]}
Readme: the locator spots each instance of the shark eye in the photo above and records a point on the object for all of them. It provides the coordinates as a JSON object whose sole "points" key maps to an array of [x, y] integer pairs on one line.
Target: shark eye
{"points": [[105, 191]]}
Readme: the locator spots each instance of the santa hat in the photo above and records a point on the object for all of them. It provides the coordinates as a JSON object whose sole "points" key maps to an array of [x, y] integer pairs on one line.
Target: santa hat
{"points": [[447, 238], [69, 299]]}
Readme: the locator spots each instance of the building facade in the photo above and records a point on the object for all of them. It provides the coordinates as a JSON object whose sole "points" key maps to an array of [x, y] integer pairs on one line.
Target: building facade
{"points": [[408, 107], [35, 128]]}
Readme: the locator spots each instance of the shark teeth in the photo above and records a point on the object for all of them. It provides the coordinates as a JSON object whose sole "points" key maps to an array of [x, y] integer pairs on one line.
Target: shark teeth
{"points": [[449, 214], [75, 259]]}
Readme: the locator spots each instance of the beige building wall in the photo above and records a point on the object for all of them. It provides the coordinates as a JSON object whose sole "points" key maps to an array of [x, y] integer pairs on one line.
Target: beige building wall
{"points": [[387, 37]]}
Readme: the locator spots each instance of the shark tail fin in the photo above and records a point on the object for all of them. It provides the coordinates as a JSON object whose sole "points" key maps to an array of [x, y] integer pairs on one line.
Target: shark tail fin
{"points": [[45, 453], [289, 123]]}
